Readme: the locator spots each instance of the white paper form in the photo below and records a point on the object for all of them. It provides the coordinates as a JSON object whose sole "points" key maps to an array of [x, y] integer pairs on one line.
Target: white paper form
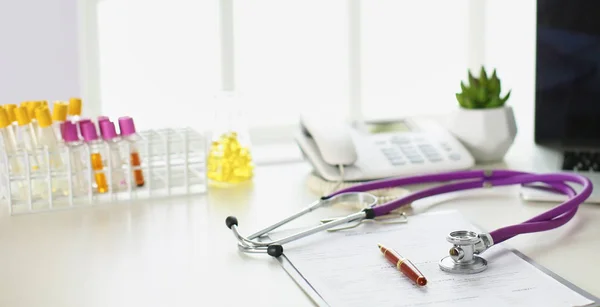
{"points": [[347, 269]]}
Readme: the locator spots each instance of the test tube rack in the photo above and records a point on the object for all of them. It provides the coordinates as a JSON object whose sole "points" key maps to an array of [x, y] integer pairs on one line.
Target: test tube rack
{"points": [[173, 162]]}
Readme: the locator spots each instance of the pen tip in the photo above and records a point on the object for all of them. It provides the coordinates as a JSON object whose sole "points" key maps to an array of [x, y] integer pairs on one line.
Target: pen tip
{"points": [[379, 245]]}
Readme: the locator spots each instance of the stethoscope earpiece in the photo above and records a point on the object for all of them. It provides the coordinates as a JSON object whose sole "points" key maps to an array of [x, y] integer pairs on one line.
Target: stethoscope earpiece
{"points": [[230, 221], [275, 250]]}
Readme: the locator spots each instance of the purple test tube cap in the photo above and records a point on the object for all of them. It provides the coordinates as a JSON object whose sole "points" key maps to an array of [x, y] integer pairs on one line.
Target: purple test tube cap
{"points": [[88, 131], [107, 128], [102, 119], [69, 132], [126, 126]]}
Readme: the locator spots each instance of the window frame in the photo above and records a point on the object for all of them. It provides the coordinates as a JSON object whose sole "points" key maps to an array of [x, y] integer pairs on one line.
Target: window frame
{"points": [[89, 61]]}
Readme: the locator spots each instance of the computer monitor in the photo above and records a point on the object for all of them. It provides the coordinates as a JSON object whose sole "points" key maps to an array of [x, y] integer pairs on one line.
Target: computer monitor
{"points": [[567, 95]]}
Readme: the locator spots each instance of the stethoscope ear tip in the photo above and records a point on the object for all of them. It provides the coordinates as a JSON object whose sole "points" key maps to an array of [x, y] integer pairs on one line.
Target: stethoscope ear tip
{"points": [[230, 221], [275, 250]]}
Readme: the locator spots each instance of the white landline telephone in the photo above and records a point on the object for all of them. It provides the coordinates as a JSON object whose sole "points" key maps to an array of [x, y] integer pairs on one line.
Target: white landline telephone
{"points": [[376, 150]]}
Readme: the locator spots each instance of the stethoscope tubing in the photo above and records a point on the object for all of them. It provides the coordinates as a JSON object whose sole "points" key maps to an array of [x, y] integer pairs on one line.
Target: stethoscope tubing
{"points": [[551, 219], [458, 181]]}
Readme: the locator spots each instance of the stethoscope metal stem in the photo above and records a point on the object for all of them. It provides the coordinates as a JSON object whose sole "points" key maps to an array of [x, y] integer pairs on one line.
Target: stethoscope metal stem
{"points": [[249, 244], [308, 209]]}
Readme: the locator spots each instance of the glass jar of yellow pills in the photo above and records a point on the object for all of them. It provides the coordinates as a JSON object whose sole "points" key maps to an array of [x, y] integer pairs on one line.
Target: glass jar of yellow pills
{"points": [[229, 158]]}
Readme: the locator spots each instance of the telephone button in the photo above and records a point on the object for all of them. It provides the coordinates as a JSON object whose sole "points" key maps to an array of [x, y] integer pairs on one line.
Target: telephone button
{"points": [[435, 159], [399, 140], [415, 159], [454, 156], [397, 162]]}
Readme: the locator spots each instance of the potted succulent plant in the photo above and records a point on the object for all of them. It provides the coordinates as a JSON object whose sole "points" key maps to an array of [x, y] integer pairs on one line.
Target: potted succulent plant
{"points": [[483, 123]]}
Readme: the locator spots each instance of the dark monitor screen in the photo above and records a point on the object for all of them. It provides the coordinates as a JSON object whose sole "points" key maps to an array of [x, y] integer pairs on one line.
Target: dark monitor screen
{"points": [[567, 106]]}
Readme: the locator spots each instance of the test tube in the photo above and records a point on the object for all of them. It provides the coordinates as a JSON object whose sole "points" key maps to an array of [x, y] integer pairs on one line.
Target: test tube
{"points": [[10, 110], [80, 122], [59, 116], [77, 154], [90, 135], [32, 145], [31, 106], [74, 109], [102, 119], [129, 134], [47, 138], [110, 136], [9, 139]]}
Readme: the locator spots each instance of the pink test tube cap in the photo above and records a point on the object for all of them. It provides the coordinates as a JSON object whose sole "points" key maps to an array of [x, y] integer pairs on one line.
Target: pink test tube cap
{"points": [[107, 128], [88, 131], [69, 132], [83, 121], [100, 120], [126, 126]]}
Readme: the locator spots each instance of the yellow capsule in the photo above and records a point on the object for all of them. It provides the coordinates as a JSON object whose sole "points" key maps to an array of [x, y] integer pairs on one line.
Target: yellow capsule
{"points": [[228, 160]]}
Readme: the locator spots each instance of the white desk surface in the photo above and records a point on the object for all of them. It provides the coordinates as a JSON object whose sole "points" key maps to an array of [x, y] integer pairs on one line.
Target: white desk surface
{"points": [[179, 252]]}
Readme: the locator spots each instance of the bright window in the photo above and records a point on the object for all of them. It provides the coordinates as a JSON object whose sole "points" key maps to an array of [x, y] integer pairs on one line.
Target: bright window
{"points": [[413, 54], [160, 60]]}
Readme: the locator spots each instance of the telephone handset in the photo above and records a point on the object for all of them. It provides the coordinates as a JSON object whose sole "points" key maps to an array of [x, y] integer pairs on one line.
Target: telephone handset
{"points": [[375, 150]]}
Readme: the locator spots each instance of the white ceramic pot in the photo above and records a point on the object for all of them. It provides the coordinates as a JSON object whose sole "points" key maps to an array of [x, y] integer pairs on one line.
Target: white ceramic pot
{"points": [[486, 133]]}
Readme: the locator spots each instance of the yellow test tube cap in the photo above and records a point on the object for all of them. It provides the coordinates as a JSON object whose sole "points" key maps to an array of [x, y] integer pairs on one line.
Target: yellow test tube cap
{"points": [[10, 111], [74, 106], [59, 112], [4, 121], [31, 106], [22, 116], [43, 117], [44, 103]]}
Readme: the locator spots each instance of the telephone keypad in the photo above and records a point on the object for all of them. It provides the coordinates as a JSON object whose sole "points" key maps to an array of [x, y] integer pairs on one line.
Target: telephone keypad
{"points": [[400, 150]]}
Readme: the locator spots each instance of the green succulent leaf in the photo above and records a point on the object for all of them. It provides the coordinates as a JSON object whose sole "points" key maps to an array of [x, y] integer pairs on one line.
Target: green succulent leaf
{"points": [[482, 92], [461, 100], [494, 85], [482, 95], [506, 97], [472, 80], [483, 79], [495, 102], [463, 87], [468, 103]]}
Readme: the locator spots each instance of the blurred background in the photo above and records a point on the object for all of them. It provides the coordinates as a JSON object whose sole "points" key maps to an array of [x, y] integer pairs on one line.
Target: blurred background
{"points": [[164, 62]]}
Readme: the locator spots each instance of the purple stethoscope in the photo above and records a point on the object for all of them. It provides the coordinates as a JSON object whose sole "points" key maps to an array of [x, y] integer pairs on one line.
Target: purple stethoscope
{"points": [[466, 245]]}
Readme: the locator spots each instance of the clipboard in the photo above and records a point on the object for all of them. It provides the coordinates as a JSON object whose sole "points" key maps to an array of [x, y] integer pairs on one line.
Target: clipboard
{"points": [[305, 285]]}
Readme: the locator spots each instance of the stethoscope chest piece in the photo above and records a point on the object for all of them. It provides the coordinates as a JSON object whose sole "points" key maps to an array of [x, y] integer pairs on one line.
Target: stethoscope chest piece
{"points": [[463, 258]]}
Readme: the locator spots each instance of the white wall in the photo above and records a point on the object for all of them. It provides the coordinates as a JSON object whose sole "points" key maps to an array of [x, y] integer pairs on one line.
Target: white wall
{"points": [[510, 47], [38, 50]]}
